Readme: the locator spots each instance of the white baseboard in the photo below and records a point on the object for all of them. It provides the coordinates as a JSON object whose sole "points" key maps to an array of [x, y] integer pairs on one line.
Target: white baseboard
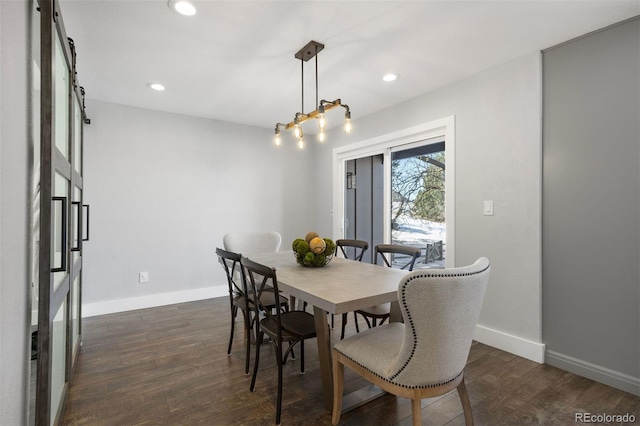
{"points": [[152, 300], [594, 372], [528, 349]]}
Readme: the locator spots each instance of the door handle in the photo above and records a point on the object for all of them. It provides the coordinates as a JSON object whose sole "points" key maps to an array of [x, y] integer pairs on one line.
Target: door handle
{"points": [[79, 240], [63, 236], [86, 206]]}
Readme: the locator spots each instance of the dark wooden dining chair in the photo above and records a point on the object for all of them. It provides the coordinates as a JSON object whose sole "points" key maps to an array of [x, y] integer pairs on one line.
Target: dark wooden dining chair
{"points": [[292, 327], [351, 249], [241, 299], [388, 253], [425, 356]]}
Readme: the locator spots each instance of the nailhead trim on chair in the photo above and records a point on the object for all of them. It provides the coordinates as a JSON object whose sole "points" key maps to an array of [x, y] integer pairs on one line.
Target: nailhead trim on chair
{"points": [[406, 310], [433, 385]]}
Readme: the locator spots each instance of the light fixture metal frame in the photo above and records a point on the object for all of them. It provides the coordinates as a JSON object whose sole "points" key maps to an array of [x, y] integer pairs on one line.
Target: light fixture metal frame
{"points": [[310, 51]]}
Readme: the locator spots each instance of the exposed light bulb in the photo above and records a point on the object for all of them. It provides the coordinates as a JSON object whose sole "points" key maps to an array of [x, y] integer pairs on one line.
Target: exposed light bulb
{"points": [[301, 143], [322, 136], [277, 140], [297, 131], [322, 122], [347, 125]]}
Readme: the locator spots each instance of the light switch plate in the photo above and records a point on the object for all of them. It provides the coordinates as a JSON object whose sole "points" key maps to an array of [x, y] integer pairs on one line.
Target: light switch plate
{"points": [[488, 207], [143, 277]]}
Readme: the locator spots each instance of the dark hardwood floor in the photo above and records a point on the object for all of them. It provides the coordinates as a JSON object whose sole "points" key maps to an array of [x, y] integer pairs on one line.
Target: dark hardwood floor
{"points": [[169, 366]]}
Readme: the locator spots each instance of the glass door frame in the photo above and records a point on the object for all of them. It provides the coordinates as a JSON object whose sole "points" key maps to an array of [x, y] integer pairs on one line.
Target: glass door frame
{"points": [[55, 289], [442, 128]]}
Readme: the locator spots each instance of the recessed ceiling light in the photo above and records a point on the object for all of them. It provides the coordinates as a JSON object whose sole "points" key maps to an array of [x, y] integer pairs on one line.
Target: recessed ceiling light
{"points": [[183, 7], [156, 86], [390, 77]]}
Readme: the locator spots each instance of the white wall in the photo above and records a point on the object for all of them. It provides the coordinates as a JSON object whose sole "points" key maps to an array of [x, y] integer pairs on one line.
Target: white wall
{"points": [[14, 212], [498, 157], [165, 188]]}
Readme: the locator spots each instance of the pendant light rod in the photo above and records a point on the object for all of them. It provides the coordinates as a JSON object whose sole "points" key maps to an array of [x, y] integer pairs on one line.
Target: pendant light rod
{"points": [[309, 51]]}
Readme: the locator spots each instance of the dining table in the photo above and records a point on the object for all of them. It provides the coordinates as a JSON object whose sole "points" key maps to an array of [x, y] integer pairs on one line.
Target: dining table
{"points": [[341, 286]]}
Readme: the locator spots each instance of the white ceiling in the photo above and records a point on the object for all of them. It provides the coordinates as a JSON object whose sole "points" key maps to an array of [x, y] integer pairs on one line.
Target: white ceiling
{"points": [[234, 60]]}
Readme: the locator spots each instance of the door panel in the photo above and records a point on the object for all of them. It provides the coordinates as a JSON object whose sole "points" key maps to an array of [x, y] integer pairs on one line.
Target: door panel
{"points": [[364, 202], [60, 223], [58, 360], [75, 316], [77, 135], [61, 98], [418, 200], [60, 230]]}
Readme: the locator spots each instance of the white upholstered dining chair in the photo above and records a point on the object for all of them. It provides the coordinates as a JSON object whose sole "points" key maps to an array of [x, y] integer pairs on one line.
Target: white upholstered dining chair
{"points": [[252, 242], [425, 356]]}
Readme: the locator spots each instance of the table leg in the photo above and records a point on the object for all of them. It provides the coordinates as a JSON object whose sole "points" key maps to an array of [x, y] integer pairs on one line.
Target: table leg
{"points": [[349, 401], [324, 355], [292, 303], [395, 314]]}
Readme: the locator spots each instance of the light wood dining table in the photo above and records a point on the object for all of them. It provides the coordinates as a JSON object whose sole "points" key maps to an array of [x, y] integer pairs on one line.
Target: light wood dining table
{"points": [[341, 286]]}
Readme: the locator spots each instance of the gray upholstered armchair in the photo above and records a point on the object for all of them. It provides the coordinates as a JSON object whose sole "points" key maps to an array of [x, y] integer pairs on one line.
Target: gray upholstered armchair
{"points": [[425, 356]]}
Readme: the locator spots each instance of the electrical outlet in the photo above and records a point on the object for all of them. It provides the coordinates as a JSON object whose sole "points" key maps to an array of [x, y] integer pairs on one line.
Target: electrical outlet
{"points": [[488, 208], [143, 277]]}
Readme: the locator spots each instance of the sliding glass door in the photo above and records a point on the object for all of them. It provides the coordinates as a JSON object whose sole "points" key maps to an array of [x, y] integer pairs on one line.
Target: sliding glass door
{"points": [[417, 193], [399, 188]]}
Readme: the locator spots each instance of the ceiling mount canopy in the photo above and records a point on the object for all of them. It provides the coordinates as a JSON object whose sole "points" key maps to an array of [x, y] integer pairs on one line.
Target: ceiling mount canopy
{"points": [[309, 51]]}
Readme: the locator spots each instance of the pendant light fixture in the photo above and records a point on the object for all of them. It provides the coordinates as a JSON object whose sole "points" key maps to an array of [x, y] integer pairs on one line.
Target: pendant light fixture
{"points": [[309, 51]]}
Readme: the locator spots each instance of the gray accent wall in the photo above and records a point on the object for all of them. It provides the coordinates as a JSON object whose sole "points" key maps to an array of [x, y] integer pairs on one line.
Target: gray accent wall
{"points": [[14, 212], [591, 206]]}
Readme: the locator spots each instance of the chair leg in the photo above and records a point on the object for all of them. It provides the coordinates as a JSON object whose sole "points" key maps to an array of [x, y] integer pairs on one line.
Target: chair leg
{"points": [[257, 360], [466, 404], [344, 325], [293, 354], [338, 388], [332, 321], [247, 333], [234, 311], [355, 319], [279, 402], [416, 411], [302, 356]]}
